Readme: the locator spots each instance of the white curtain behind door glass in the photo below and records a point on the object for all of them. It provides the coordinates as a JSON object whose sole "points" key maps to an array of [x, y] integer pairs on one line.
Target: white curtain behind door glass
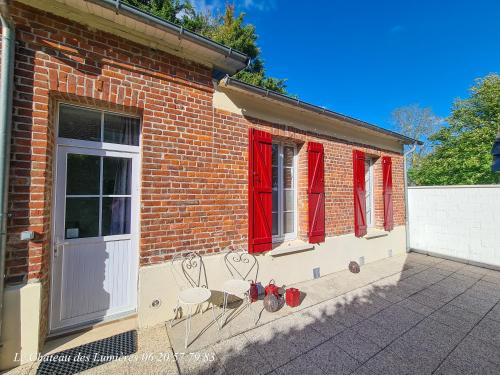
{"points": [[120, 206]]}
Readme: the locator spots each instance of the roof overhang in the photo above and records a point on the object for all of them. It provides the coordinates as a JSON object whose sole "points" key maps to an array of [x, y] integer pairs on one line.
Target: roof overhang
{"points": [[128, 22], [234, 84]]}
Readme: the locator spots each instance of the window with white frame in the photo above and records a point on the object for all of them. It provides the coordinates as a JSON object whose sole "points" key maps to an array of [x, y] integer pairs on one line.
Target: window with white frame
{"points": [[284, 191], [369, 191]]}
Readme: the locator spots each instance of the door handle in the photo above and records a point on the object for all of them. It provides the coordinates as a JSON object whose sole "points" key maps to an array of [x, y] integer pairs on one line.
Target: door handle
{"points": [[57, 245]]}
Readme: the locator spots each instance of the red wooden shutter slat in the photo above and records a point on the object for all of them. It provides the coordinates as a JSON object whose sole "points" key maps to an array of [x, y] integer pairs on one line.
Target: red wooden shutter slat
{"points": [[387, 188], [259, 191], [358, 161], [316, 192]]}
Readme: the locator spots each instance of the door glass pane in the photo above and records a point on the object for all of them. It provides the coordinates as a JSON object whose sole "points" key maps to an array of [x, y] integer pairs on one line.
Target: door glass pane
{"points": [[288, 222], [121, 129], [79, 123], [83, 173], [116, 174], [82, 217], [288, 200], [288, 156], [115, 216], [275, 223]]}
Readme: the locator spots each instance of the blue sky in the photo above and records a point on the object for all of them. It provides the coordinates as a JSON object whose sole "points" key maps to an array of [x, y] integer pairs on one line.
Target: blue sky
{"points": [[365, 58]]}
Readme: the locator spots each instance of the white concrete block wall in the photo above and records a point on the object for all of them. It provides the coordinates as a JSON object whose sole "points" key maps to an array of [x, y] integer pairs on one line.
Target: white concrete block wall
{"points": [[456, 221]]}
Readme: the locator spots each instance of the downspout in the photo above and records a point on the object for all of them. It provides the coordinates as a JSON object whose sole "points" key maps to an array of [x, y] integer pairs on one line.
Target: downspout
{"points": [[407, 219], [6, 92]]}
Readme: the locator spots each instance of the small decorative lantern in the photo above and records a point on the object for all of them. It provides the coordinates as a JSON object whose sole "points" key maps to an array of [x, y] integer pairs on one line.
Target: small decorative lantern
{"points": [[292, 297], [271, 303], [254, 292], [271, 288], [354, 267]]}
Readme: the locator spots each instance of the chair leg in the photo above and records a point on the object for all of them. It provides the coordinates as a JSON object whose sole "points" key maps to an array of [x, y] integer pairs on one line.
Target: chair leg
{"points": [[249, 302], [214, 317], [176, 311], [188, 327], [224, 305]]}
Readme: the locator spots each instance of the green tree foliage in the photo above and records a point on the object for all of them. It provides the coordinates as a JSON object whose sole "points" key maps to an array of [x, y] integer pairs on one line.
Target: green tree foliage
{"points": [[227, 29], [462, 150]]}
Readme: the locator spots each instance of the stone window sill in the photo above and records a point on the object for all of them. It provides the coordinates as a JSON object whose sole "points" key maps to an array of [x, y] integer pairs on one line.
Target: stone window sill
{"points": [[375, 233], [290, 247]]}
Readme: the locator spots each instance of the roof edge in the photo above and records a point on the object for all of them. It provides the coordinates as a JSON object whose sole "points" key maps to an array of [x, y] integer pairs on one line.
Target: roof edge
{"points": [[130, 11], [235, 83]]}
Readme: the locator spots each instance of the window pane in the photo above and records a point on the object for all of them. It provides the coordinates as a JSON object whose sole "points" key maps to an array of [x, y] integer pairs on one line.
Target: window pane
{"points": [[83, 173], [288, 222], [117, 174], [275, 177], [82, 217], [275, 200], [288, 156], [275, 154], [287, 178], [275, 224], [79, 123], [115, 216], [121, 129], [288, 200]]}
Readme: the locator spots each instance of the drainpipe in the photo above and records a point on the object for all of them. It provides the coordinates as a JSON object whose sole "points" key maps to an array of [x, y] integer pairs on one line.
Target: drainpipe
{"points": [[407, 220], [6, 89]]}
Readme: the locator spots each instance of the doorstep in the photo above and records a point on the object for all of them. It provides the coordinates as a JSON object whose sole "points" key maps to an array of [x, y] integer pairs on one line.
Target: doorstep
{"points": [[88, 335]]}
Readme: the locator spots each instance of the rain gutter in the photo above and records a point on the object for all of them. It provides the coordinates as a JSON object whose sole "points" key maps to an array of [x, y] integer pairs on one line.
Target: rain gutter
{"points": [[6, 92], [132, 12], [231, 82]]}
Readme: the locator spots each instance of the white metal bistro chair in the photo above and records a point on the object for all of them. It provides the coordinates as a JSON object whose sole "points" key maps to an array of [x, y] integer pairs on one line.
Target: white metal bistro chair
{"points": [[241, 266], [191, 279]]}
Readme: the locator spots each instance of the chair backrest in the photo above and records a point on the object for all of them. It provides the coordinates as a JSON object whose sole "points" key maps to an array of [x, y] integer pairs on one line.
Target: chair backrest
{"points": [[241, 264], [189, 271]]}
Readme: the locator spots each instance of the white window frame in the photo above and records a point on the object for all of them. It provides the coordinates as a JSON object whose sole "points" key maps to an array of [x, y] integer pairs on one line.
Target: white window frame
{"points": [[281, 237], [97, 145], [370, 220]]}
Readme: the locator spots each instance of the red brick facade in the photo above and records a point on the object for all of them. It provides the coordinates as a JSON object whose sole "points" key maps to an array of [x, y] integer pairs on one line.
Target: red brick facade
{"points": [[194, 157]]}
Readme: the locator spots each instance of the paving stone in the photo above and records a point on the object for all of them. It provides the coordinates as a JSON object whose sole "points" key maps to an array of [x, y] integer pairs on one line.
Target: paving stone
{"points": [[413, 305], [489, 331], [470, 303], [419, 357], [238, 356], [431, 334], [429, 276], [331, 359], [397, 318], [203, 362], [388, 363], [480, 348], [456, 317], [299, 366], [494, 314], [427, 300], [378, 334], [467, 363], [370, 307], [357, 346]]}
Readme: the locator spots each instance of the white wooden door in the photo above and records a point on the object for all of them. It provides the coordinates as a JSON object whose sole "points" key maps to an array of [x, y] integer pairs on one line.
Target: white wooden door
{"points": [[95, 250]]}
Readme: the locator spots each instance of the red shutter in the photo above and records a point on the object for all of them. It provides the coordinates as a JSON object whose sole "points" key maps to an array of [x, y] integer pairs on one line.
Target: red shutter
{"points": [[316, 192], [358, 161], [388, 208], [259, 191]]}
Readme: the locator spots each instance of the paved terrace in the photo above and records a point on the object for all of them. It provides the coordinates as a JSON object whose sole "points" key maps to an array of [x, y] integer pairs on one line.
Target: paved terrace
{"points": [[410, 314]]}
